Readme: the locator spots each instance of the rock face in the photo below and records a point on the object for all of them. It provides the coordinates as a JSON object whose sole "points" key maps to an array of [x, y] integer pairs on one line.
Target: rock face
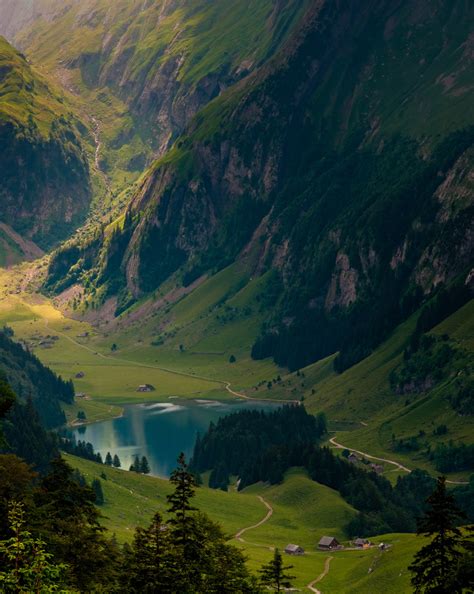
{"points": [[332, 162], [44, 176]]}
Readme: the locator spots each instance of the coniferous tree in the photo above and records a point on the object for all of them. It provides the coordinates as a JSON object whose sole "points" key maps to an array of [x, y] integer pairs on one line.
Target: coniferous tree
{"points": [[273, 574], [434, 563], [149, 564], [65, 514], [135, 466], [185, 488], [99, 494], [144, 466], [108, 459], [116, 461], [180, 506]]}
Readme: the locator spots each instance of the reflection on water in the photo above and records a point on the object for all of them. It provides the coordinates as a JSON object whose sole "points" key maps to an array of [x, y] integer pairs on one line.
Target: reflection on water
{"points": [[159, 431]]}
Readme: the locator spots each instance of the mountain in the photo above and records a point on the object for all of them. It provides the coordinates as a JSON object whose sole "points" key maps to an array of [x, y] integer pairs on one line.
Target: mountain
{"points": [[44, 181], [142, 69], [343, 164]]}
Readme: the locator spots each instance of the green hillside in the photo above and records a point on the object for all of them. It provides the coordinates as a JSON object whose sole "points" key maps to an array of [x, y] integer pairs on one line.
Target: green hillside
{"points": [[303, 511], [24, 93], [41, 146], [360, 214]]}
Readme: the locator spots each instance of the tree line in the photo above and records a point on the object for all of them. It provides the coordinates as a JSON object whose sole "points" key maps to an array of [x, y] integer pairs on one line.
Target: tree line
{"points": [[271, 436], [287, 437]]}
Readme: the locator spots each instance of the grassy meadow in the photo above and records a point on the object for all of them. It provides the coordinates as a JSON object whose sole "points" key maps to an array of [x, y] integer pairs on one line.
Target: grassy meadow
{"points": [[303, 511]]}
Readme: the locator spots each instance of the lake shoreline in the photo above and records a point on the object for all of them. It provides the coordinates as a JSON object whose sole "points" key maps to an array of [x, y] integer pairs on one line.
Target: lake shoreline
{"points": [[160, 430]]}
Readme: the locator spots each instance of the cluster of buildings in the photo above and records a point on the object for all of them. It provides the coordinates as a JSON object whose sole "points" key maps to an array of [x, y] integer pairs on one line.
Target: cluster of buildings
{"points": [[354, 459], [329, 543]]}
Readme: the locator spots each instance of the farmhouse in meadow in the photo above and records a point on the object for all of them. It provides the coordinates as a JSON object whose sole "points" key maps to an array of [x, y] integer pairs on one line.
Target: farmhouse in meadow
{"points": [[293, 549], [362, 543], [146, 388], [328, 543]]}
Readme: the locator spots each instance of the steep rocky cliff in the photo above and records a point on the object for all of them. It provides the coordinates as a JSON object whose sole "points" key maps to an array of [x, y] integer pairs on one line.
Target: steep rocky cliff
{"points": [[44, 175], [344, 162]]}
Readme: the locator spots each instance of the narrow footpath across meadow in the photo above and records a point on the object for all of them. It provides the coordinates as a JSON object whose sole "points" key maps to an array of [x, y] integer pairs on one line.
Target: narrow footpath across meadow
{"points": [[311, 585], [240, 533]]}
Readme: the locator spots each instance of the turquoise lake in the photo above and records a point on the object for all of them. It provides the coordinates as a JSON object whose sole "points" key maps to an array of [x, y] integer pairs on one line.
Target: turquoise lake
{"points": [[159, 431]]}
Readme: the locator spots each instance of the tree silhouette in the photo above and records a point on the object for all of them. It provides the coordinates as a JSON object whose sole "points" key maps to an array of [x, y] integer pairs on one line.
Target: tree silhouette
{"points": [[144, 466], [99, 494], [273, 574], [434, 563], [179, 500]]}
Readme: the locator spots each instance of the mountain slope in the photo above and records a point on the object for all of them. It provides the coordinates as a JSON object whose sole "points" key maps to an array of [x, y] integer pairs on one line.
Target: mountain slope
{"points": [[44, 180], [142, 69], [344, 163]]}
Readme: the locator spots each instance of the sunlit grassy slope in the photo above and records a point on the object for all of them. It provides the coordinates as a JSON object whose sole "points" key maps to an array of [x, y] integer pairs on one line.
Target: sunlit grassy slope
{"points": [[303, 511], [26, 98]]}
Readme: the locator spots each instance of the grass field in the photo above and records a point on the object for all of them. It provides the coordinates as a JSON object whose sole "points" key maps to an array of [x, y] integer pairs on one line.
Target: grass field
{"points": [[303, 511]]}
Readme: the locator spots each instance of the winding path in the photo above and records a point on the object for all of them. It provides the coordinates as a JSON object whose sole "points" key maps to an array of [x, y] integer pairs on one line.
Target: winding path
{"points": [[343, 447], [239, 535], [240, 395], [397, 465], [310, 586]]}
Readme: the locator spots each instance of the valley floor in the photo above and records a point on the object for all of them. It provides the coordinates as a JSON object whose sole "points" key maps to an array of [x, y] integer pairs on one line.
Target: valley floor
{"points": [[108, 365], [262, 517]]}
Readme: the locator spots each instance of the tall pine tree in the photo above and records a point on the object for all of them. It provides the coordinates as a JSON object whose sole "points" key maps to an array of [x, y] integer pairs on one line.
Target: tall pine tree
{"points": [[180, 506], [435, 562], [273, 574], [144, 466]]}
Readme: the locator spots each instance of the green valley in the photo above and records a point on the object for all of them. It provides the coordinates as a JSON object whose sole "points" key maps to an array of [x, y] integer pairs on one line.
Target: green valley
{"points": [[242, 231]]}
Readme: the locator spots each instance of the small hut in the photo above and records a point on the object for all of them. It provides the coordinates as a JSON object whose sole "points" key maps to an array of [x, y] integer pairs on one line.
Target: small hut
{"points": [[361, 543], [146, 388], [293, 549], [328, 543]]}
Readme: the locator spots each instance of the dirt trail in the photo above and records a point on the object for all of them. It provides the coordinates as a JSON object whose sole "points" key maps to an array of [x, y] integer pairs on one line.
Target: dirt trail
{"points": [[240, 395], [397, 465], [310, 586], [30, 250], [340, 446], [239, 535]]}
